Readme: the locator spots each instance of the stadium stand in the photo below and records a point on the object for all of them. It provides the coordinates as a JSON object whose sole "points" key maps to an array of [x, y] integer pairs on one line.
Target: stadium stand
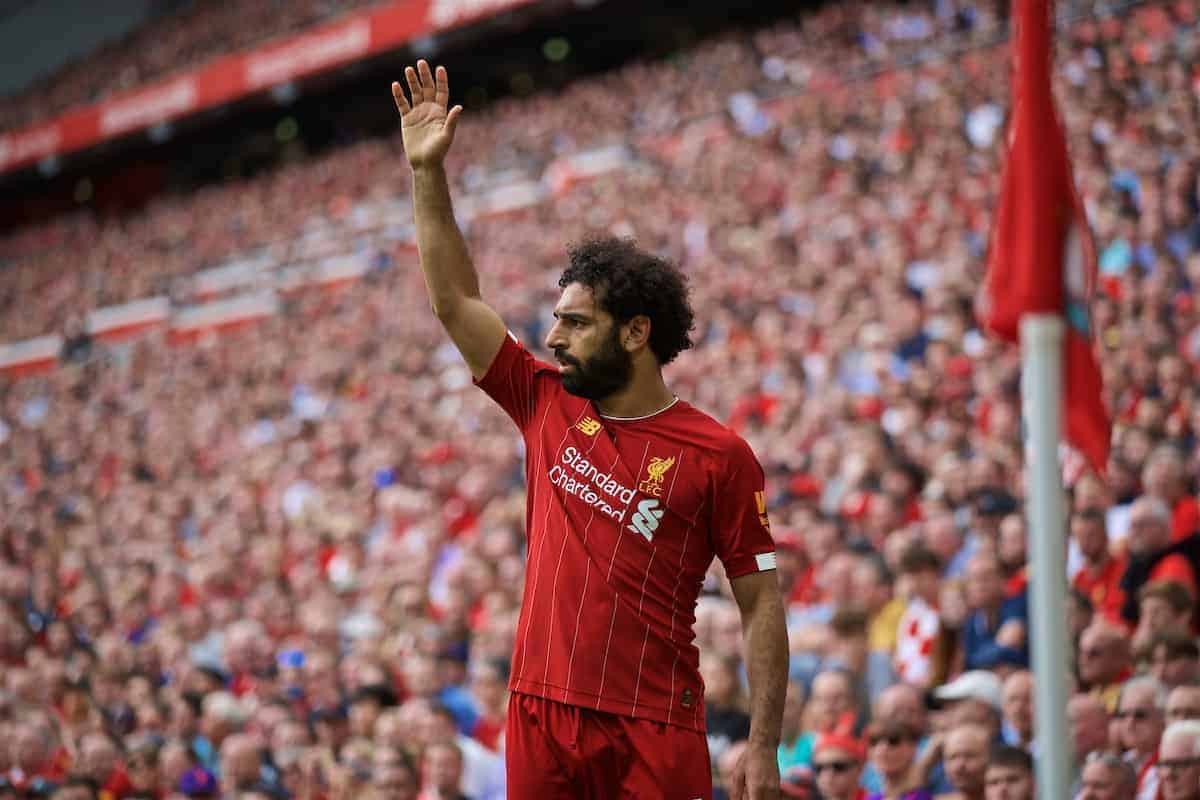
{"points": [[261, 533]]}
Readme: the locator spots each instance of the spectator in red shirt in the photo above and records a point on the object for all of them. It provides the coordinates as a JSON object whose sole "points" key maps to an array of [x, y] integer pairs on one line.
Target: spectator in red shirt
{"points": [[1100, 579]]}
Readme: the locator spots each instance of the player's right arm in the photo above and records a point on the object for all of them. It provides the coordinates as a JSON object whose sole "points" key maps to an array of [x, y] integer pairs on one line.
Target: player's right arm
{"points": [[450, 278]]}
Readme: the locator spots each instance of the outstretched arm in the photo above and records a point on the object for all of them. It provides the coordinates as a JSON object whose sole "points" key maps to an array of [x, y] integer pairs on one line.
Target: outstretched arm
{"points": [[766, 644], [428, 130]]}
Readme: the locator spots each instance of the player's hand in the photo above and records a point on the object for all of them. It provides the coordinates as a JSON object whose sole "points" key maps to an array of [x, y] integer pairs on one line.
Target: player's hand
{"points": [[425, 124], [756, 776]]}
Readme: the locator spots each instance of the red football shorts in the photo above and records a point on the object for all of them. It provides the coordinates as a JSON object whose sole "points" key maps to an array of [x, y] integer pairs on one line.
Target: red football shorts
{"points": [[554, 750]]}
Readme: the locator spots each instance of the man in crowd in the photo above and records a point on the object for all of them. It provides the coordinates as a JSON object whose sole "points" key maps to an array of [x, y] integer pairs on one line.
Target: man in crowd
{"points": [[1140, 726], [1099, 579], [1175, 658], [1088, 723], [1104, 662], [1183, 703], [966, 759], [1018, 709], [995, 627], [1107, 777], [1009, 775], [1179, 761]]}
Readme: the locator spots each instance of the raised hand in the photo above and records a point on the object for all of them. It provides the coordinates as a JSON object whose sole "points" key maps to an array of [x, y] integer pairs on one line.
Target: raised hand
{"points": [[425, 124]]}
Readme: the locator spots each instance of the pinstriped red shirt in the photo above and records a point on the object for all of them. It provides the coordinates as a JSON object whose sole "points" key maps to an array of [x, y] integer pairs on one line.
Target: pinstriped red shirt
{"points": [[623, 518]]}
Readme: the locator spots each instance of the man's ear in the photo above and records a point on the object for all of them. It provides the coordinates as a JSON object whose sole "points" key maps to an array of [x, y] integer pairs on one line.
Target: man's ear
{"points": [[636, 333]]}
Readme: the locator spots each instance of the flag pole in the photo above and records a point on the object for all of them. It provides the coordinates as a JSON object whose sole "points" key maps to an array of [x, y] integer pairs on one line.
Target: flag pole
{"points": [[1041, 399]]}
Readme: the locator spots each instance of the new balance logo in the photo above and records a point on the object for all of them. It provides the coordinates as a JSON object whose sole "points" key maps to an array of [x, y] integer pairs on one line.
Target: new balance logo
{"points": [[588, 426], [645, 519]]}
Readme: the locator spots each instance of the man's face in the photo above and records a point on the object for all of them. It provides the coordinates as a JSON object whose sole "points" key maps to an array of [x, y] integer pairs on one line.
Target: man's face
{"points": [[1179, 768], [1176, 671], [587, 345], [1147, 533], [966, 759], [1090, 536], [1183, 703], [984, 585], [1141, 722], [837, 773], [1018, 702], [1007, 783], [1100, 782]]}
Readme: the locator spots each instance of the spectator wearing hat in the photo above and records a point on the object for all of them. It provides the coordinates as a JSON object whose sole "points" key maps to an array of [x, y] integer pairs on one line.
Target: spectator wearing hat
{"points": [[893, 752], [1099, 577], [1140, 726], [1104, 662], [1009, 774], [838, 763], [1174, 658], [996, 625], [1183, 702], [917, 657]]}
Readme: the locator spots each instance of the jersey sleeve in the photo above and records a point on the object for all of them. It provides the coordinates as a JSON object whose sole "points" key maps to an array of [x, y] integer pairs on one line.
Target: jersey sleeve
{"points": [[514, 380], [741, 532]]}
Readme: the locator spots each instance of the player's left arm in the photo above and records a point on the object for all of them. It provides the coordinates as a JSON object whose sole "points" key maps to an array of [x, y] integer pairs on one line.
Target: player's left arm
{"points": [[766, 647]]}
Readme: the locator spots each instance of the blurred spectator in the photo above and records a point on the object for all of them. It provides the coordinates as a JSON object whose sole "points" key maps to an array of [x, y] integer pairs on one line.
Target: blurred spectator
{"points": [[994, 632], [1140, 716], [966, 756], [1009, 775], [1107, 777], [1179, 761], [1174, 658], [893, 751], [443, 766], [1099, 578], [1017, 704], [837, 763], [1183, 703], [1104, 662], [1088, 721]]}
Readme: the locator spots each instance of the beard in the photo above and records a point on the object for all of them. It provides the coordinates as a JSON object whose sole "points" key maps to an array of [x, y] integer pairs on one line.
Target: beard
{"points": [[606, 371]]}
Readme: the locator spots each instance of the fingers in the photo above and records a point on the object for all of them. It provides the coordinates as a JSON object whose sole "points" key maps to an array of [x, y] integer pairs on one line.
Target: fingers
{"points": [[414, 86], [401, 101], [428, 85], [452, 121], [441, 87]]}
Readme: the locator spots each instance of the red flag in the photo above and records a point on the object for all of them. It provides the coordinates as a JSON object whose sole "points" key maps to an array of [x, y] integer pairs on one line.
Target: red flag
{"points": [[1041, 258]]}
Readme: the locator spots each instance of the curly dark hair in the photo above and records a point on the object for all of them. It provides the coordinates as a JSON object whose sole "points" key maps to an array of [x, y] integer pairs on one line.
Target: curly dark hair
{"points": [[629, 282]]}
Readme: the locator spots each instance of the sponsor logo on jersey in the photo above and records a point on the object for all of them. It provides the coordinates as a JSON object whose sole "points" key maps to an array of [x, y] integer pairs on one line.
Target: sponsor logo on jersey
{"points": [[589, 426], [655, 471], [760, 500], [577, 476], [645, 519]]}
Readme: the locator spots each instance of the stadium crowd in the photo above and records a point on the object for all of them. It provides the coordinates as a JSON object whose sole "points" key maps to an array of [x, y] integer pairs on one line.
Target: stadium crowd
{"points": [[286, 561], [177, 40]]}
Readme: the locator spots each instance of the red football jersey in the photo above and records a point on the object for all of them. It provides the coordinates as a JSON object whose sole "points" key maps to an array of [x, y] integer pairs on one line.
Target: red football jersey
{"points": [[623, 518]]}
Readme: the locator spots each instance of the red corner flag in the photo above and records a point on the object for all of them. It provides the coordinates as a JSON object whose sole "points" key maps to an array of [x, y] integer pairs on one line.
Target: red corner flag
{"points": [[1041, 257]]}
